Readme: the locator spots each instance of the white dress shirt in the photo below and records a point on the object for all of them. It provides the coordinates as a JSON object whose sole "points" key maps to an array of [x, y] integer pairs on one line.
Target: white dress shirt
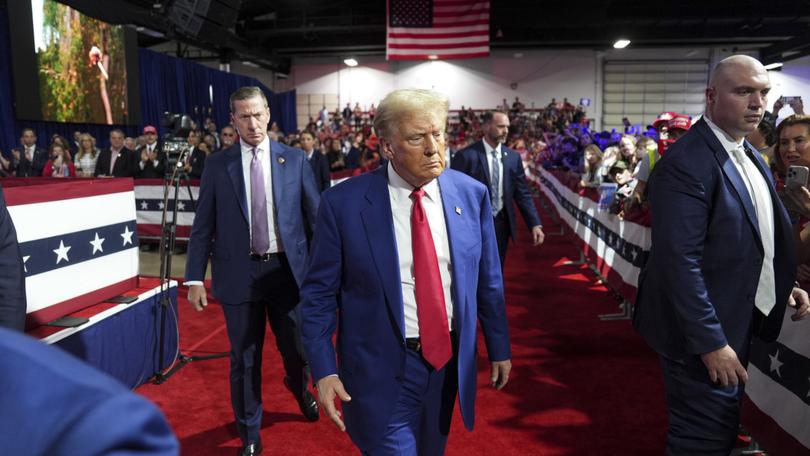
{"points": [[264, 156], [401, 207], [760, 195], [488, 149]]}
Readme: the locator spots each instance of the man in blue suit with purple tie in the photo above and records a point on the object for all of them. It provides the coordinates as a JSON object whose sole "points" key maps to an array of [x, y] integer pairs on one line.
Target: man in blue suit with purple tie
{"points": [[722, 263], [255, 213], [404, 264]]}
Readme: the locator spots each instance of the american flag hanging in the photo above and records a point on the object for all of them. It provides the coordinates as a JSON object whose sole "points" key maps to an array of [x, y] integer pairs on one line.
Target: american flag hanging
{"points": [[437, 29]]}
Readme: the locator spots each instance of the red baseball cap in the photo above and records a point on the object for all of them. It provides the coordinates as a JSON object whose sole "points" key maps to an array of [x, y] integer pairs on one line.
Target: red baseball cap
{"points": [[149, 129], [682, 122], [664, 117]]}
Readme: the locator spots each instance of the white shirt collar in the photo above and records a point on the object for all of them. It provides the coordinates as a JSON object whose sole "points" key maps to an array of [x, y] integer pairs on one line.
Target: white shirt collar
{"points": [[263, 146], [397, 182], [725, 139], [488, 149]]}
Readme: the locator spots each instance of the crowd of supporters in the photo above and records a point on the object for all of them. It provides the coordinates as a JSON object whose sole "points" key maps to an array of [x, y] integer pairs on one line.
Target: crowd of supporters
{"points": [[556, 136]]}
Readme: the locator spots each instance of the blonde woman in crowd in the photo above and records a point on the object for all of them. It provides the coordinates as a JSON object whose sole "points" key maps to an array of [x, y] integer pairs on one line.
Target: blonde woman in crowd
{"points": [[86, 157], [591, 166]]}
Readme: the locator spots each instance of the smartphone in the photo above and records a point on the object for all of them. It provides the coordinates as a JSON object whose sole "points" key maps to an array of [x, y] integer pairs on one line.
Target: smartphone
{"points": [[797, 176]]}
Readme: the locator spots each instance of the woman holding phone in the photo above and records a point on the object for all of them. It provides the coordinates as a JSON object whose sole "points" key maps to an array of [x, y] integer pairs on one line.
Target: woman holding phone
{"points": [[793, 162]]}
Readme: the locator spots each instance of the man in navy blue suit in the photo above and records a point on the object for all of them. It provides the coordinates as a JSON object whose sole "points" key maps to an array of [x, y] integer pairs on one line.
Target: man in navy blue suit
{"points": [[55, 404], [12, 279], [256, 208], [722, 263], [501, 170], [404, 264], [318, 161]]}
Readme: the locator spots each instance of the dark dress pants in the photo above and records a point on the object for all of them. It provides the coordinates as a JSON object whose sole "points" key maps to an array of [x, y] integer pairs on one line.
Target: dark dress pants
{"points": [[502, 233], [274, 296], [703, 417]]}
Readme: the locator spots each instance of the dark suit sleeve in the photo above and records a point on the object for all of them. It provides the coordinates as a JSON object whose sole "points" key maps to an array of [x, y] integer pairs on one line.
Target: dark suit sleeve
{"points": [[100, 164], [198, 164], [461, 162], [40, 157], [204, 227], [679, 227], [311, 196], [12, 278], [326, 176], [523, 196], [319, 294], [491, 306]]}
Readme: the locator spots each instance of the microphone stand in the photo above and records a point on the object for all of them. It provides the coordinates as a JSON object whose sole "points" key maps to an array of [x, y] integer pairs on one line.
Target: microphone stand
{"points": [[168, 237]]}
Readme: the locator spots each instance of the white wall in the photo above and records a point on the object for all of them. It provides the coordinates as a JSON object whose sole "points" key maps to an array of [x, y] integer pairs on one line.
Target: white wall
{"points": [[793, 80], [480, 83]]}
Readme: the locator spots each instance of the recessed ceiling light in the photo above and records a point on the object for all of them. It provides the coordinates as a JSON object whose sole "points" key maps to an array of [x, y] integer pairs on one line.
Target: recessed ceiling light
{"points": [[350, 62], [621, 43]]}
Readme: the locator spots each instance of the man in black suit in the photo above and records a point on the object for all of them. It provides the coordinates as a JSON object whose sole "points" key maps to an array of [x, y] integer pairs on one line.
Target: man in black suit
{"points": [[722, 264], [28, 160], [152, 163], [501, 170], [195, 163], [117, 161], [12, 279], [318, 161]]}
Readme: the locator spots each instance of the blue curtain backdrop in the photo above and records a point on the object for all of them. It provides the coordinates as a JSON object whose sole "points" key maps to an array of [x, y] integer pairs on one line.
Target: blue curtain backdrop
{"points": [[167, 84]]}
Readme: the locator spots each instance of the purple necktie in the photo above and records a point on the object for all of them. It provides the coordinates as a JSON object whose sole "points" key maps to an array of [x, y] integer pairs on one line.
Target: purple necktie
{"points": [[260, 239]]}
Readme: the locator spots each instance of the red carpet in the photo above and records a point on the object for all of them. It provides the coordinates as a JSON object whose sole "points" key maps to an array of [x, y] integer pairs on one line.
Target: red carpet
{"points": [[579, 386]]}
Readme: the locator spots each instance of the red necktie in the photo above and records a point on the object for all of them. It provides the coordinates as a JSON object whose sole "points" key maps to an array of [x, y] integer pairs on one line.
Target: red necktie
{"points": [[434, 333]]}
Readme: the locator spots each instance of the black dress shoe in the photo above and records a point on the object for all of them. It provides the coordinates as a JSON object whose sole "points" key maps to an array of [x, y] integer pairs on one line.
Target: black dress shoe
{"points": [[251, 449], [306, 402]]}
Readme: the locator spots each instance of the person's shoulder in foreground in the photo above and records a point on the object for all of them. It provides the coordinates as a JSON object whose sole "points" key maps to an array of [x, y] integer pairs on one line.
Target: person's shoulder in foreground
{"points": [[54, 404]]}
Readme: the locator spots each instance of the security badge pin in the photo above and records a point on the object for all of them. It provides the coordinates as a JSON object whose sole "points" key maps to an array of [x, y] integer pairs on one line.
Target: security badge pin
{"points": [[281, 160], [458, 210]]}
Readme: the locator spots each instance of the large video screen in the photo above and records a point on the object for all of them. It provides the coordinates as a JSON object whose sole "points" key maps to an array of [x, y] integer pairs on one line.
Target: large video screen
{"points": [[72, 67]]}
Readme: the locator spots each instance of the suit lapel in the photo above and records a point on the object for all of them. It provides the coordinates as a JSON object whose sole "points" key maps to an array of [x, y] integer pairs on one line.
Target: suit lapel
{"points": [[234, 166], [730, 170], [482, 159], [456, 228], [278, 170], [379, 226]]}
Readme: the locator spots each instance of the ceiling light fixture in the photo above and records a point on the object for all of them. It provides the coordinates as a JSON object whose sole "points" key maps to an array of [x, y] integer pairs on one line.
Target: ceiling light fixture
{"points": [[352, 62], [621, 43], [773, 66]]}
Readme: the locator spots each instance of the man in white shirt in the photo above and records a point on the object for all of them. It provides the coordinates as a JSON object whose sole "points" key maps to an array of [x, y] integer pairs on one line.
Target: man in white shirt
{"points": [[501, 170], [255, 213], [722, 264], [152, 163], [406, 256], [30, 159]]}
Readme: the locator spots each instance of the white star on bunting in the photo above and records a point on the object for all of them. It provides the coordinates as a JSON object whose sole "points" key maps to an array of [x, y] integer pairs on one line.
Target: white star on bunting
{"points": [[25, 260], [776, 364], [144, 205], [62, 252], [160, 205], [181, 206], [96, 243], [127, 235]]}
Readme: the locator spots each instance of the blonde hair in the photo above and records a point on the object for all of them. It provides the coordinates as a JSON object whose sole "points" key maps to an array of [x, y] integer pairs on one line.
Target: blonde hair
{"points": [[400, 103], [80, 153]]}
